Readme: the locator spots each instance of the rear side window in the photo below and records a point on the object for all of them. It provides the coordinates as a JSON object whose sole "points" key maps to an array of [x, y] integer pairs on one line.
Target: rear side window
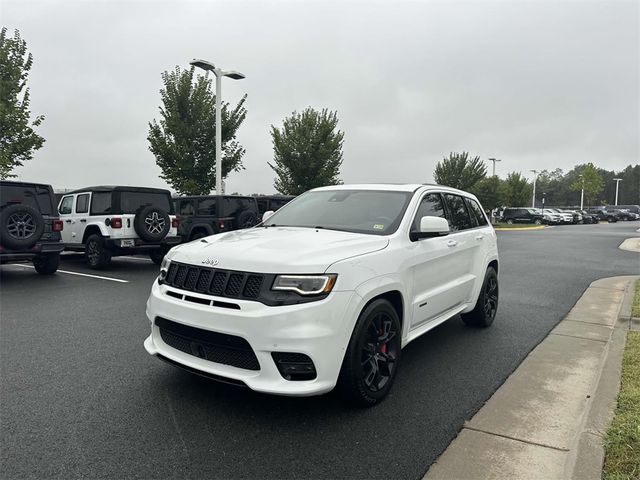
{"points": [[66, 205], [100, 203], [476, 212], [459, 216], [185, 207], [38, 197], [131, 202], [207, 206], [430, 206], [82, 203]]}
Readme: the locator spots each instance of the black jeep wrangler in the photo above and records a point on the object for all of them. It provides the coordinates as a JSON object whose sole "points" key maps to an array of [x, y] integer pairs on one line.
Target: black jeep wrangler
{"points": [[272, 203], [29, 226], [205, 215]]}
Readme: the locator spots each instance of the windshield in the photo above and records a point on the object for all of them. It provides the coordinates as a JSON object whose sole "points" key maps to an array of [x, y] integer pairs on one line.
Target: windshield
{"points": [[358, 211]]}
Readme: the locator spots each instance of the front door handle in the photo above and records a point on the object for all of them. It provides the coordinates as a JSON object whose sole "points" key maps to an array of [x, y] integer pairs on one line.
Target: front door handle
{"points": [[68, 221], [84, 220], [452, 243], [479, 237]]}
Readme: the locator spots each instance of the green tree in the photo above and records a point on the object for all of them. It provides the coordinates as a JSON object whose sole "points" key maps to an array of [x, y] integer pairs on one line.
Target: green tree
{"points": [[516, 190], [18, 140], [183, 141], [590, 179], [490, 192], [307, 151], [460, 171]]}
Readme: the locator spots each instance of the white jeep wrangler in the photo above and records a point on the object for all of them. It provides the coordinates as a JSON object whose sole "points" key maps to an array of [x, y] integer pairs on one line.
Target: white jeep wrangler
{"points": [[107, 221]]}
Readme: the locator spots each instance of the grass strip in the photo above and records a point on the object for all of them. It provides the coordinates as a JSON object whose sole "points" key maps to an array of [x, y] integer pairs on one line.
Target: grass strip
{"points": [[622, 440]]}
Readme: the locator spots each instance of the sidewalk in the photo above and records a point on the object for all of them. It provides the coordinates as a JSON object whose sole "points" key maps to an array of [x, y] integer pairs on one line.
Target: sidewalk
{"points": [[547, 420]]}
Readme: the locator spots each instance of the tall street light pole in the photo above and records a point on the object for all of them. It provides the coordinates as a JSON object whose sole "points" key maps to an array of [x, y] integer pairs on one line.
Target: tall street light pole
{"points": [[219, 73], [582, 194], [535, 178], [618, 180], [494, 160]]}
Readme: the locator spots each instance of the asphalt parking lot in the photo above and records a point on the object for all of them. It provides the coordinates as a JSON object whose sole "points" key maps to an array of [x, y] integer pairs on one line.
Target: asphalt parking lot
{"points": [[80, 397]]}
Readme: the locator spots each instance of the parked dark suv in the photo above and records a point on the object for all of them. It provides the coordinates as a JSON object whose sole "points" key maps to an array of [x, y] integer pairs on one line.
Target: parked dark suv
{"points": [[603, 214], [522, 215], [272, 202], [29, 226], [205, 215]]}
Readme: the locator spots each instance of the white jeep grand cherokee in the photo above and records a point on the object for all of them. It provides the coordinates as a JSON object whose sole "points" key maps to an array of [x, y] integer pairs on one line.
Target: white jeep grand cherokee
{"points": [[327, 291]]}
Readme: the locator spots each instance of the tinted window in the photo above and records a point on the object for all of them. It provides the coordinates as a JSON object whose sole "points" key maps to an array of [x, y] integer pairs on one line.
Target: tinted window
{"points": [[38, 197], [374, 212], [207, 206], [100, 203], [66, 205], [82, 203], [476, 212], [186, 207], [430, 206], [460, 219], [262, 205], [276, 204], [131, 202], [233, 206]]}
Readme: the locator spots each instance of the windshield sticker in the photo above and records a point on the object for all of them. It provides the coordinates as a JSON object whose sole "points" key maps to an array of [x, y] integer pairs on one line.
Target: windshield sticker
{"points": [[378, 226]]}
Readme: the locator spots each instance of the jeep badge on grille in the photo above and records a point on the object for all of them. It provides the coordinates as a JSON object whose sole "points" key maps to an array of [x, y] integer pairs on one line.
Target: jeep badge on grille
{"points": [[210, 261]]}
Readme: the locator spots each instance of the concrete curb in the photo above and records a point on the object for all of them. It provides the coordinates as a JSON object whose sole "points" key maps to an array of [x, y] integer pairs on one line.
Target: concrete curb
{"points": [[631, 244], [548, 418]]}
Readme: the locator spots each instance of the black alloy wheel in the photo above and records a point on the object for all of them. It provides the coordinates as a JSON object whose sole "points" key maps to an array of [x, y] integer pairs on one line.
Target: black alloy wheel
{"points": [[21, 226], [371, 362], [96, 254], [484, 312]]}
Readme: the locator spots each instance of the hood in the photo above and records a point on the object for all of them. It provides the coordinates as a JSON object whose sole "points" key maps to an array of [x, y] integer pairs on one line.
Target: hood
{"points": [[277, 249]]}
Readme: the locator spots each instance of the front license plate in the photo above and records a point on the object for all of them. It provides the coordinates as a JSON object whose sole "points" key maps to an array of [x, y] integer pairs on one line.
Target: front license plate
{"points": [[128, 243]]}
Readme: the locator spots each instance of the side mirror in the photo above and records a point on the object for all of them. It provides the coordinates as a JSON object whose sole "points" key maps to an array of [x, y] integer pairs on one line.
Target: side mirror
{"points": [[431, 227], [266, 215]]}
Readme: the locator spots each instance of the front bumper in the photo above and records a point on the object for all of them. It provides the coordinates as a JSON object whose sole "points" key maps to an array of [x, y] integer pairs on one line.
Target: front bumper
{"points": [[319, 329]]}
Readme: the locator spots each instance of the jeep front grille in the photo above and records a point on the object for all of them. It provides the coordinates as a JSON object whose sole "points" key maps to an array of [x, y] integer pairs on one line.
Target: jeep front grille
{"points": [[213, 281]]}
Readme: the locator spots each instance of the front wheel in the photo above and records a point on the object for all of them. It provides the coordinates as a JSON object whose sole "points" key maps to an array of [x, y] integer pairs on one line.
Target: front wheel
{"points": [[487, 305], [538, 221], [371, 362], [46, 264], [97, 254], [510, 222]]}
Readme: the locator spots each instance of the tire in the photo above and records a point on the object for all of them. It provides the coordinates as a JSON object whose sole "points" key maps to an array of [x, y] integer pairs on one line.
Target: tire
{"points": [[487, 305], [157, 255], [247, 219], [152, 224], [510, 221], [47, 264], [21, 226], [537, 221], [376, 338], [96, 253]]}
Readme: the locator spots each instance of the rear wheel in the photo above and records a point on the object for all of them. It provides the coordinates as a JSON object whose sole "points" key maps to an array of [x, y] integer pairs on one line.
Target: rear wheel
{"points": [[487, 305], [371, 362], [47, 264], [97, 254]]}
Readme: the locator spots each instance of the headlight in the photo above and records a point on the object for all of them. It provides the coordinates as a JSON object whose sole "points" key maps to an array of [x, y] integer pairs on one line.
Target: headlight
{"points": [[305, 284], [164, 269]]}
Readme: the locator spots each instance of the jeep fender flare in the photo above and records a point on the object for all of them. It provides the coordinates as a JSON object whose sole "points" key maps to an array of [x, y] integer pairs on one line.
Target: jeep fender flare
{"points": [[92, 227]]}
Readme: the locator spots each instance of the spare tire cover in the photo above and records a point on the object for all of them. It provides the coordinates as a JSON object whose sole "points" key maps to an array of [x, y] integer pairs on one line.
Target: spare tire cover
{"points": [[152, 224], [21, 226]]}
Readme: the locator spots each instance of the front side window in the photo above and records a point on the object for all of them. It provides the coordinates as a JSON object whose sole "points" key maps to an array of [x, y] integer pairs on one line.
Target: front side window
{"points": [[375, 212], [66, 205], [430, 206], [82, 203], [131, 202], [459, 216], [100, 203]]}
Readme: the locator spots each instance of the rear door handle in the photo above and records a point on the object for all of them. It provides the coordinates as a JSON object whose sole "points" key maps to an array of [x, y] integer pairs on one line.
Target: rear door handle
{"points": [[68, 221], [84, 220], [479, 237], [452, 243]]}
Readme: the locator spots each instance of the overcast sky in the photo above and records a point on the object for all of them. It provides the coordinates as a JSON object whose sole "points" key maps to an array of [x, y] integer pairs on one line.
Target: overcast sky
{"points": [[538, 84]]}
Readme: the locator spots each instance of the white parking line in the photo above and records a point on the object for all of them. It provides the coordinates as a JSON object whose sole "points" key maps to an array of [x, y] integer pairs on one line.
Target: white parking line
{"points": [[77, 273]]}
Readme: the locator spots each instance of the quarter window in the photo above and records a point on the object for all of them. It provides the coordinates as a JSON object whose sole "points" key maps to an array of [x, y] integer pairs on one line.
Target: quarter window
{"points": [[82, 203], [476, 212], [430, 206], [459, 216], [186, 207], [207, 206], [100, 203], [66, 205]]}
